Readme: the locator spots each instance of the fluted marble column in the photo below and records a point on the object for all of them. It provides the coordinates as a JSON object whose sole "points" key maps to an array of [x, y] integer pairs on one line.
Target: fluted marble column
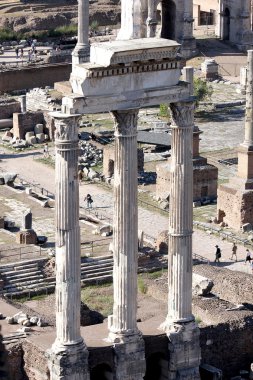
{"points": [[245, 150], [68, 356], [123, 331], [81, 52], [180, 324], [130, 20]]}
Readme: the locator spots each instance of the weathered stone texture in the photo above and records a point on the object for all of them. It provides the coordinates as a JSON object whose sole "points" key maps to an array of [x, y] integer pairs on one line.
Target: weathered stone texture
{"points": [[234, 206], [205, 179], [25, 122], [8, 107]]}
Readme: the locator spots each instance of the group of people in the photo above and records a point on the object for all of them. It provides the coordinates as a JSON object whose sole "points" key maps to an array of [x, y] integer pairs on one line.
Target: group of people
{"points": [[248, 258], [31, 52]]}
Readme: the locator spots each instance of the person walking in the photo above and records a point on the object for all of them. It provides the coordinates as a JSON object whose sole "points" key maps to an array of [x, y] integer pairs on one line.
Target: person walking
{"points": [[16, 51], [45, 151], [80, 176], [234, 252], [89, 200], [248, 256], [217, 254]]}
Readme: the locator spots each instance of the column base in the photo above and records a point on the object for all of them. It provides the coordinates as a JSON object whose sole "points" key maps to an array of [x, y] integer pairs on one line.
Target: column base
{"points": [[68, 362], [81, 54], [184, 349], [129, 358]]}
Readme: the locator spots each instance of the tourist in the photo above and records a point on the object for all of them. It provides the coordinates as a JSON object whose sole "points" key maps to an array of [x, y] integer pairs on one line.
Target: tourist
{"points": [[16, 51], [89, 200], [80, 176], [234, 250], [217, 254], [248, 256], [45, 150], [21, 53], [29, 55]]}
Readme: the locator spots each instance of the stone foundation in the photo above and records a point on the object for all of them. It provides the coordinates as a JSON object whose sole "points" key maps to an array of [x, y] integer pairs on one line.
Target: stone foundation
{"points": [[205, 179], [235, 205]]}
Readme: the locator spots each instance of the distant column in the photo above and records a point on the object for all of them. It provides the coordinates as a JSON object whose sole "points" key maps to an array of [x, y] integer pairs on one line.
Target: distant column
{"points": [[151, 20], [68, 356], [123, 331], [81, 52], [245, 151], [23, 103], [180, 323], [130, 20]]}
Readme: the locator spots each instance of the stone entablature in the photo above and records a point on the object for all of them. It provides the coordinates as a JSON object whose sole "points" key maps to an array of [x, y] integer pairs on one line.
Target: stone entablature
{"points": [[139, 50]]}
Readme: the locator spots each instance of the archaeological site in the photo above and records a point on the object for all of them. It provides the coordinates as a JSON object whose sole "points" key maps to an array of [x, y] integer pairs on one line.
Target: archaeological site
{"points": [[126, 190]]}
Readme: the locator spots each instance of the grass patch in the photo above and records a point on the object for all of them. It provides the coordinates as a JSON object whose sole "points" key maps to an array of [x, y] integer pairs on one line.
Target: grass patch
{"points": [[156, 274], [142, 286], [24, 299], [46, 161], [99, 298]]}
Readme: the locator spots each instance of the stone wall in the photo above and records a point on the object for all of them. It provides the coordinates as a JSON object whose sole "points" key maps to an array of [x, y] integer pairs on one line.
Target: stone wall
{"points": [[8, 107], [35, 363], [25, 122], [109, 156], [3, 360], [205, 180], [15, 362], [30, 77], [235, 206]]}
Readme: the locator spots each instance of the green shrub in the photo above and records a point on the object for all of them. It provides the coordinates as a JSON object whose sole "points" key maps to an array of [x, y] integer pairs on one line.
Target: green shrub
{"points": [[143, 288], [202, 90]]}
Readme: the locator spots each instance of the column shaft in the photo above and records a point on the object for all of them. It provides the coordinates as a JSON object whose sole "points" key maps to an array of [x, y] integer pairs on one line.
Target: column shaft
{"points": [[81, 52], [249, 102], [180, 217], [68, 357], [83, 22], [67, 233], [130, 20], [125, 233]]}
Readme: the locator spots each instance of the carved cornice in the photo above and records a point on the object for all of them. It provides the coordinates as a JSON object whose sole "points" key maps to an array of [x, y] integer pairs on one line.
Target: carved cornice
{"points": [[125, 123], [66, 129], [182, 114], [142, 67]]}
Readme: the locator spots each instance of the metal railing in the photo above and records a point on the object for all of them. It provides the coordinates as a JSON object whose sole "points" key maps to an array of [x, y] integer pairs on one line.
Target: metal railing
{"points": [[20, 253]]}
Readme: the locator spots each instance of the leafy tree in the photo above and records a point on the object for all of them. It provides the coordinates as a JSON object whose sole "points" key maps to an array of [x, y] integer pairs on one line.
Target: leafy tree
{"points": [[202, 90]]}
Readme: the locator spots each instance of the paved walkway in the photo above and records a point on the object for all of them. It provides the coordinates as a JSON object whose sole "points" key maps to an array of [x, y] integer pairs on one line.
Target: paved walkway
{"points": [[150, 222]]}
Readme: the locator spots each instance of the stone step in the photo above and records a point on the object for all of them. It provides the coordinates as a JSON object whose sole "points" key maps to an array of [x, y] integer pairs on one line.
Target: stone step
{"points": [[97, 279], [19, 263], [18, 293], [25, 266], [19, 279], [96, 263], [96, 270], [25, 283], [20, 273], [97, 274]]}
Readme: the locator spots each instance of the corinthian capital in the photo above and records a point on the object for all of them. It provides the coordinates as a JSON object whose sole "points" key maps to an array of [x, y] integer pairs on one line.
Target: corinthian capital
{"points": [[66, 128], [182, 114], [125, 122]]}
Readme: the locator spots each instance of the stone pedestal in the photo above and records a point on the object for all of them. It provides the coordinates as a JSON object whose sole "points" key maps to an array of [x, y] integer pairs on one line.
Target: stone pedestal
{"points": [[180, 325], [68, 357], [210, 69], [123, 331], [26, 237]]}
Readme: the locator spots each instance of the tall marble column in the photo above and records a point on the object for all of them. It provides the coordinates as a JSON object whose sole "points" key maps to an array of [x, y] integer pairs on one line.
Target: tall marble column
{"points": [[151, 20], [180, 325], [68, 358], [130, 20], [245, 151], [188, 41], [81, 52], [123, 331]]}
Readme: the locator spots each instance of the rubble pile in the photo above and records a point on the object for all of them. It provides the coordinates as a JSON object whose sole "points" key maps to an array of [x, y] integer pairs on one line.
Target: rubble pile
{"points": [[31, 138], [90, 157]]}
